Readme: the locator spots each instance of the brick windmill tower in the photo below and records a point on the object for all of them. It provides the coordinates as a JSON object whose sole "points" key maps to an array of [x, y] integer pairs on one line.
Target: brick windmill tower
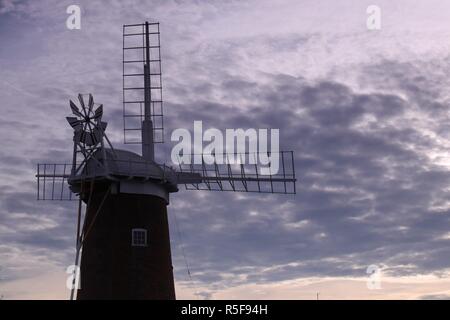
{"points": [[122, 239]]}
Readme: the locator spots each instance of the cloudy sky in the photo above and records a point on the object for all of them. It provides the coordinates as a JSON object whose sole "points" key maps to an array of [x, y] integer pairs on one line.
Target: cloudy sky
{"points": [[366, 113]]}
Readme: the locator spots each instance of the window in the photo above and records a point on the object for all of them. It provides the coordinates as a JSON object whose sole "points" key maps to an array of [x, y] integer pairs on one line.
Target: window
{"points": [[139, 237]]}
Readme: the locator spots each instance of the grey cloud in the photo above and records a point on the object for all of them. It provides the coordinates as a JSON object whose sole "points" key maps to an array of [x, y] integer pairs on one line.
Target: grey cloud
{"points": [[366, 188], [372, 172]]}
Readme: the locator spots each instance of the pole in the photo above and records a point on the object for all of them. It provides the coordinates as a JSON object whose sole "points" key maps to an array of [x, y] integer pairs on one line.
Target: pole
{"points": [[78, 247], [148, 152], [147, 97]]}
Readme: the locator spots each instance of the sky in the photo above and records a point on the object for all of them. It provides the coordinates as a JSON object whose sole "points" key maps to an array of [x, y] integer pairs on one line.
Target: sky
{"points": [[365, 111]]}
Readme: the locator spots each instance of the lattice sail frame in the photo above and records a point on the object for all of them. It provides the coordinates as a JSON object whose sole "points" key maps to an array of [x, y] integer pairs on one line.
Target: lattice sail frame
{"points": [[52, 181], [134, 90], [243, 177]]}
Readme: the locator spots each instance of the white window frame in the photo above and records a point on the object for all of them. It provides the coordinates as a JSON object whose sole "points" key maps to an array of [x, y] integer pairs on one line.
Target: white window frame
{"points": [[133, 238]]}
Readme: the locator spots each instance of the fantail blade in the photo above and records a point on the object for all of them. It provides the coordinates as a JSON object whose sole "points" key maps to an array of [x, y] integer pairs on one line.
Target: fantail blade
{"points": [[98, 113], [75, 109], [74, 123]]}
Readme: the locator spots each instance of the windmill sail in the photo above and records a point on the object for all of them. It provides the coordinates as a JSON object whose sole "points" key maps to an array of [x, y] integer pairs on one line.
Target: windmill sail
{"points": [[240, 177], [52, 181], [142, 83]]}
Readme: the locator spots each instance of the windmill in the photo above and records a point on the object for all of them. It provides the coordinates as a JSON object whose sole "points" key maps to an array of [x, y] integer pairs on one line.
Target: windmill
{"points": [[122, 239]]}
